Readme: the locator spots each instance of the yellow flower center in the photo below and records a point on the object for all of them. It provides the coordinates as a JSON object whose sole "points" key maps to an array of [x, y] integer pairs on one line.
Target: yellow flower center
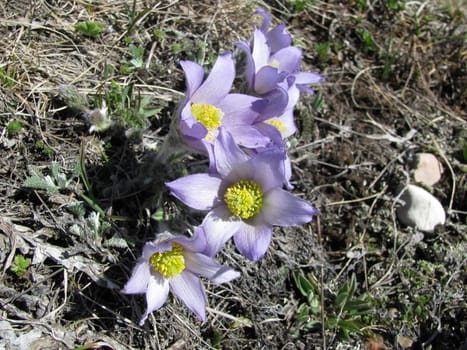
{"points": [[278, 124], [169, 263], [244, 199], [208, 115]]}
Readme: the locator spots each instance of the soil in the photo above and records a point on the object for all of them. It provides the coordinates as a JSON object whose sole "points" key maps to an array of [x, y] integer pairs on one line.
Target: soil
{"points": [[395, 86]]}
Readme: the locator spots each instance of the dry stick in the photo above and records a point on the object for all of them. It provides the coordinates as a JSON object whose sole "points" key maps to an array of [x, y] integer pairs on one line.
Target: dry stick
{"points": [[453, 175], [358, 199], [12, 299], [389, 270], [179, 319], [365, 268], [105, 308], [321, 282]]}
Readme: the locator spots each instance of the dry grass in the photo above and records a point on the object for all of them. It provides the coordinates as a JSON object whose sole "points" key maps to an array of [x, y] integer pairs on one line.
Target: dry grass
{"points": [[383, 101]]}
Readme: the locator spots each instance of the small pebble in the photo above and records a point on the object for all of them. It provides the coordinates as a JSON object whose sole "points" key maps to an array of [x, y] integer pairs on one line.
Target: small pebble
{"points": [[428, 169], [404, 342]]}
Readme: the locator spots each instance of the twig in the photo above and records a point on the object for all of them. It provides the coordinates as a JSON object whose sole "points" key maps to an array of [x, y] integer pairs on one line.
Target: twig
{"points": [[453, 175], [321, 284]]}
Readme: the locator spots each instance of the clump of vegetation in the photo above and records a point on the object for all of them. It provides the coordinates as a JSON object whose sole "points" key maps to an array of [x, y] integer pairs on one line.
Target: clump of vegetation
{"points": [[343, 313], [20, 265], [89, 28], [14, 127]]}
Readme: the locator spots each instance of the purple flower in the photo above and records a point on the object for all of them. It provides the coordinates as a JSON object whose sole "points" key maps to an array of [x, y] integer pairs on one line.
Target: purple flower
{"points": [[278, 37], [244, 198], [284, 122], [175, 263], [272, 59], [209, 105], [278, 127]]}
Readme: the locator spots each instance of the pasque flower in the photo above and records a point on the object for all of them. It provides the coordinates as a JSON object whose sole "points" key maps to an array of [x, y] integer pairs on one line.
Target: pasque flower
{"points": [[244, 198], [209, 105], [176, 263], [273, 72], [264, 71], [272, 59]]}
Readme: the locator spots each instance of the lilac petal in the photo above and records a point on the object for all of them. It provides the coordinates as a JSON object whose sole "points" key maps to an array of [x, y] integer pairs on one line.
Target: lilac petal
{"points": [[308, 78], [248, 136], [278, 38], [196, 243], [209, 148], [304, 88], [268, 169], [252, 241], [284, 209], [203, 265], [238, 109], [194, 74], [218, 83], [156, 295], [276, 102], [260, 49], [266, 79], [265, 168], [294, 95], [226, 152], [155, 247], [138, 282], [249, 64], [189, 126], [219, 226], [288, 123], [198, 191], [190, 290], [288, 59], [267, 18], [288, 173], [272, 133]]}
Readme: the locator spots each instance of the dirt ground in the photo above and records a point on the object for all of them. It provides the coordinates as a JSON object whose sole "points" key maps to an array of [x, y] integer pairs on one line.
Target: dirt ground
{"points": [[77, 206]]}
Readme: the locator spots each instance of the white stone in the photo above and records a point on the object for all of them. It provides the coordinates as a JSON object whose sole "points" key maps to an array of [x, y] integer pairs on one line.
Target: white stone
{"points": [[420, 209]]}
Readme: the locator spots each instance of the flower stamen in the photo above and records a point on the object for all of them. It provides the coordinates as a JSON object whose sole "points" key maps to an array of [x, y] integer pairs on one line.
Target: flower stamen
{"points": [[274, 64], [244, 199], [169, 263], [278, 124], [208, 115]]}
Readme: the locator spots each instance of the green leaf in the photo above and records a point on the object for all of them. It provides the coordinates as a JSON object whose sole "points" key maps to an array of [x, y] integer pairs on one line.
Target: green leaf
{"points": [[303, 284], [314, 304], [303, 312], [41, 183], [158, 215], [116, 242], [145, 108], [341, 299], [358, 307], [241, 322], [77, 209], [312, 324], [317, 103], [349, 326], [346, 292], [138, 56]]}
